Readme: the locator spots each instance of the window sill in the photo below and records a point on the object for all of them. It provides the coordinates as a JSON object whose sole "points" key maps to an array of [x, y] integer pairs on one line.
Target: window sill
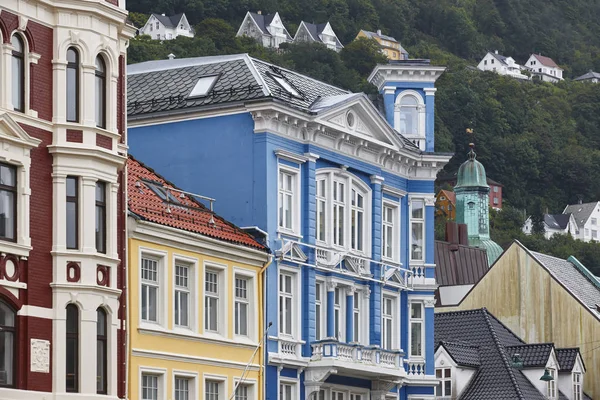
{"points": [[14, 248], [288, 232]]}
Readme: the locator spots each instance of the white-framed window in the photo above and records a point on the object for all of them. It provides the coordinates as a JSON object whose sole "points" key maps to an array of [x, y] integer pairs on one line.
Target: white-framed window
{"points": [[183, 388], [338, 325], [213, 389], [417, 331], [286, 307], [244, 391], [150, 288], [338, 395], [289, 199], [151, 385], [342, 212], [577, 385], [417, 228], [496, 200], [182, 300], [444, 386], [495, 189], [594, 234], [212, 299], [356, 396], [587, 232], [389, 232], [243, 291], [356, 317], [551, 385], [594, 221], [388, 322], [319, 311], [288, 390]]}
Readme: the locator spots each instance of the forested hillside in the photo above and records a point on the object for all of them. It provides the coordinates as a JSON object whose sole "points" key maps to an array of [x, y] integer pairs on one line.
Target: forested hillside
{"points": [[541, 141]]}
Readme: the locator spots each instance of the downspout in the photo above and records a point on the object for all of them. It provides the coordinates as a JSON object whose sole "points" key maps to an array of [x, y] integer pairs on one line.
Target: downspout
{"points": [[125, 290], [263, 304]]}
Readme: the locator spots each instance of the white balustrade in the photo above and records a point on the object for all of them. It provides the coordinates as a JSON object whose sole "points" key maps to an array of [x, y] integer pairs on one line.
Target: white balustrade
{"points": [[361, 355], [368, 356], [415, 368], [388, 359], [345, 352], [288, 349]]}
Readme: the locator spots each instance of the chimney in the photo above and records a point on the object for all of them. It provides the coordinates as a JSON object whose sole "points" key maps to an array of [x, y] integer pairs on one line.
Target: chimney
{"points": [[259, 12], [463, 234], [496, 51], [579, 199], [163, 14], [452, 235], [171, 56], [379, 32]]}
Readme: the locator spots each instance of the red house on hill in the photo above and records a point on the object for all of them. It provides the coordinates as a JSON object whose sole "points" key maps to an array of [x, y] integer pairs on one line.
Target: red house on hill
{"points": [[62, 204], [495, 189]]}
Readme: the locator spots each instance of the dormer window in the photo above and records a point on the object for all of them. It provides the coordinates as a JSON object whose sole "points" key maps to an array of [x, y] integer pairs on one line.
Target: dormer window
{"points": [[551, 384], [577, 384], [204, 86], [444, 387]]}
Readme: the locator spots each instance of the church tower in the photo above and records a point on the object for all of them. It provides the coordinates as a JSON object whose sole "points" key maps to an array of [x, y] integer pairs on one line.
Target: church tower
{"points": [[472, 205]]}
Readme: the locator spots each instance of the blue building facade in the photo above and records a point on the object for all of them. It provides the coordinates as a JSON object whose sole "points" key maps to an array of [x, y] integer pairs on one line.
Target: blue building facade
{"points": [[342, 194]]}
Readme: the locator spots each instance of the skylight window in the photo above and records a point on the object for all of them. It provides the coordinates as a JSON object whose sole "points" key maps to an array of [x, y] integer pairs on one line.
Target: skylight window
{"points": [[161, 192], [286, 85], [204, 86]]}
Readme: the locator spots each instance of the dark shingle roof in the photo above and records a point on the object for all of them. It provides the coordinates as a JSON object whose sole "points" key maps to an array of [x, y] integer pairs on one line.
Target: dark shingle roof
{"points": [[316, 29], [569, 275], [495, 378], [581, 212], [499, 57], [532, 355], [169, 21], [588, 75], [463, 354], [566, 358], [463, 266], [557, 221], [262, 21]]}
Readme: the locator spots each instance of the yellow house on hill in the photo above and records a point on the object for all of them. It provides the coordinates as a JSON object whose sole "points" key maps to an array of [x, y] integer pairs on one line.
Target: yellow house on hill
{"points": [[544, 299], [390, 47], [195, 298]]}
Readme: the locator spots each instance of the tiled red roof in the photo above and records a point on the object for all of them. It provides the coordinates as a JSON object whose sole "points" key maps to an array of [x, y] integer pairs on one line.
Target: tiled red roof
{"points": [[451, 196], [183, 212], [547, 61]]}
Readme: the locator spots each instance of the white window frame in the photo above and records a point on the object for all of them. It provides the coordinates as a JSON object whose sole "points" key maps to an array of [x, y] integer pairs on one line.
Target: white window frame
{"points": [[160, 374], [192, 377], [339, 313], [252, 302], [162, 306], [296, 194], [295, 388], [422, 221], [577, 386], [350, 181], [192, 265], [394, 228], [223, 299], [223, 386], [251, 384], [443, 379], [321, 207], [551, 385], [394, 317], [321, 316], [296, 289], [421, 113], [412, 320], [357, 317]]}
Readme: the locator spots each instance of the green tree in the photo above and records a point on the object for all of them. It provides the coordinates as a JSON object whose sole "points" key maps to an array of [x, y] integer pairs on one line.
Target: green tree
{"points": [[362, 55]]}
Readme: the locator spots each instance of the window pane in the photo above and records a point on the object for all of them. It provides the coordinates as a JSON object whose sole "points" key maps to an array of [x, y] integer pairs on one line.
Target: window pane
{"points": [[415, 345], [152, 297], [72, 85], [100, 366], [72, 213], [416, 310], [243, 319], [288, 319], [417, 241], [6, 358], [417, 209], [18, 79], [101, 217], [7, 214], [8, 176], [100, 101]]}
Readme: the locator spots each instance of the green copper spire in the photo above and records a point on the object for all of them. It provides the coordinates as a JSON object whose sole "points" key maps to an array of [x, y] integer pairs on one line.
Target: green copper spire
{"points": [[472, 205]]}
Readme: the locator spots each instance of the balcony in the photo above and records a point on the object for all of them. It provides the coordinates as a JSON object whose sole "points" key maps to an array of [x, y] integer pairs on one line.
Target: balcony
{"points": [[357, 360]]}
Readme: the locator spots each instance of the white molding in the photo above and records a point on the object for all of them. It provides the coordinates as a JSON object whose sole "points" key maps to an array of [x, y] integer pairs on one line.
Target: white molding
{"points": [[393, 191], [430, 91], [289, 156], [311, 157], [376, 179], [177, 357], [37, 312]]}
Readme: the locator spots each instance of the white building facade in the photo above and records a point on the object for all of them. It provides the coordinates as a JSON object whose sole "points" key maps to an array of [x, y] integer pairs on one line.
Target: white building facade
{"points": [[501, 65], [162, 27]]}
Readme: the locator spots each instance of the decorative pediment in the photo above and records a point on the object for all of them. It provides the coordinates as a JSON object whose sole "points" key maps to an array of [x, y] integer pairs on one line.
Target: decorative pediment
{"points": [[11, 132]]}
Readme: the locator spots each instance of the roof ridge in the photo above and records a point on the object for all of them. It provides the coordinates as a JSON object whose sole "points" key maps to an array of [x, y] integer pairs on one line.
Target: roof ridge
{"points": [[583, 270], [513, 379]]}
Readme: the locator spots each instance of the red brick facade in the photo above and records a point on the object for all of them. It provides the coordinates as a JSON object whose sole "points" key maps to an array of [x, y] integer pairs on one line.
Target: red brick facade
{"points": [[36, 271]]}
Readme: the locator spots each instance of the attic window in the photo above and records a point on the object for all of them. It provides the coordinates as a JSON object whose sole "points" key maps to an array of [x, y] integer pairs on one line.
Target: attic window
{"points": [[161, 192], [285, 85], [204, 86]]}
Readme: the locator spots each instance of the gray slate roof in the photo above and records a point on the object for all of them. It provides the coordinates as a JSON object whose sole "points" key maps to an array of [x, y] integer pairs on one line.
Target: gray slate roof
{"points": [[463, 354], [499, 57], [581, 212], [588, 75], [532, 355], [495, 379], [557, 221], [572, 278], [263, 21], [566, 358], [164, 86], [169, 21], [316, 29]]}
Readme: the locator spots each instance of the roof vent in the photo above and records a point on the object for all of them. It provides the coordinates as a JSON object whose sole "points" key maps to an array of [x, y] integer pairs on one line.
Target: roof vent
{"points": [[171, 56], [259, 12]]}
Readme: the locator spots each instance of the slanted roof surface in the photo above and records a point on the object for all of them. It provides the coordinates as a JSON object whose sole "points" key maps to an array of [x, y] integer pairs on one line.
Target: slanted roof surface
{"points": [[581, 212], [499, 57], [451, 196], [262, 21], [183, 212], [375, 34], [566, 358], [557, 221], [464, 266], [463, 354], [316, 29], [588, 75], [533, 355], [547, 61], [169, 21]]}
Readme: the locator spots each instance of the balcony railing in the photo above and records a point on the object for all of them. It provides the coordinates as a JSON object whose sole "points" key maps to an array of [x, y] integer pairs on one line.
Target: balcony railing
{"points": [[355, 353], [415, 368]]}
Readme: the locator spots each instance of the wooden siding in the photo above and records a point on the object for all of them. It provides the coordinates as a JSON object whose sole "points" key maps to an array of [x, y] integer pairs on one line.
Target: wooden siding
{"points": [[524, 296]]}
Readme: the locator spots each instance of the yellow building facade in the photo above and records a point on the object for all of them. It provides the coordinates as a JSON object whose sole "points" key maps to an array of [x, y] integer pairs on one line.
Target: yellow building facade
{"points": [[390, 47], [195, 310], [543, 299]]}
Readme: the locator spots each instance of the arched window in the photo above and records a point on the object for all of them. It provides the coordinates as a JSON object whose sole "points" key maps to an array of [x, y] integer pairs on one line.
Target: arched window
{"points": [[7, 345], [72, 362], [409, 116], [101, 351], [18, 73], [100, 92], [72, 85]]}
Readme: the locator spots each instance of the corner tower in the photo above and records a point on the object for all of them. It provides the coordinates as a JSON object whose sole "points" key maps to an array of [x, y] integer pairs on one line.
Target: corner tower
{"points": [[408, 93], [472, 205]]}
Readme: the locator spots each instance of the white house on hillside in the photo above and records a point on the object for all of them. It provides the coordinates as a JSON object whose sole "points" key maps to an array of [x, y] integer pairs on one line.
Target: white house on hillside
{"points": [[587, 217], [563, 224], [501, 65], [590, 77], [544, 68], [268, 29], [322, 33], [162, 27]]}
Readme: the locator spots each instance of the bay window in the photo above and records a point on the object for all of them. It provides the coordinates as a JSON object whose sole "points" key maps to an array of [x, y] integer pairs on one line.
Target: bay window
{"points": [[417, 227], [18, 73], [342, 211], [7, 345], [416, 329], [8, 202]]}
